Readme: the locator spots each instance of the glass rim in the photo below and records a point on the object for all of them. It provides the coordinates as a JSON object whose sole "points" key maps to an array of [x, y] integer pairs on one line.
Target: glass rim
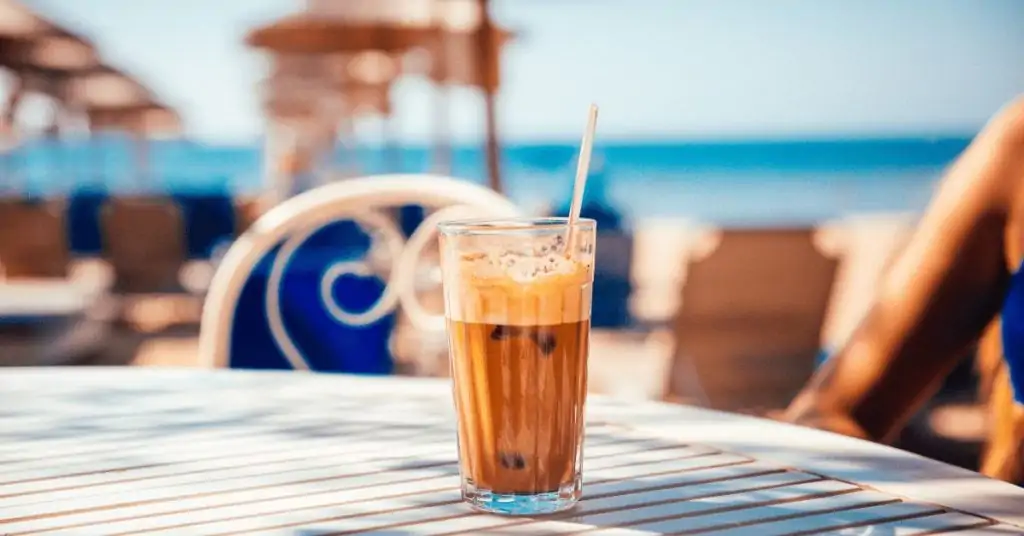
{"points": [[512, 225]]}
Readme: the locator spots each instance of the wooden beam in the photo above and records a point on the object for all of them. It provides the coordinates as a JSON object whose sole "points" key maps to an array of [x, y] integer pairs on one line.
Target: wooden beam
{"points": [[487, 64]]}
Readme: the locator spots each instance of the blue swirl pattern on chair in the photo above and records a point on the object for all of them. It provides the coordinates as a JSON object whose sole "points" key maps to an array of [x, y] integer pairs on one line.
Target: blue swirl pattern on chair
{"points": [[309, 284], [326, 344]]}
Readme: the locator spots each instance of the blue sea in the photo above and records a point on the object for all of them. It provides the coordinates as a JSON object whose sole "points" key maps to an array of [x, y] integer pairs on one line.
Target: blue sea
{"points": [[758, 182]]}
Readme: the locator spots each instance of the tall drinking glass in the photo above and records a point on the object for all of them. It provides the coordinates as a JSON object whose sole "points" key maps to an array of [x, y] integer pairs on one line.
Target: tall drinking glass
{"points": [[518, 314]]}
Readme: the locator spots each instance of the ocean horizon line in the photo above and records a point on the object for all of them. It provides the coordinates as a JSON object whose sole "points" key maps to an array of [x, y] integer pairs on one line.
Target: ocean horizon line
{"points": [[559, 142]]}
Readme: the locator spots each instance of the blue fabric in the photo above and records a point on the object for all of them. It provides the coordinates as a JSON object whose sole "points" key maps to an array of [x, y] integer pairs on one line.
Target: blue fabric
{"points": [[209, 220], [612, 266], [410, 217], [1013, 334], [611, 307], [327, 345], [83, 221]]}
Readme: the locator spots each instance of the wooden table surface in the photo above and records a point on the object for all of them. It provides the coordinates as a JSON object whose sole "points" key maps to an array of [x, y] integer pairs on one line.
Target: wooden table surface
{"points": [[146, 451]]}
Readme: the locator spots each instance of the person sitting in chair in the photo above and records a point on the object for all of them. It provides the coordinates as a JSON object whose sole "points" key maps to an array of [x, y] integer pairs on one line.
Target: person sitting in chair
{"points": [[960, 271]]}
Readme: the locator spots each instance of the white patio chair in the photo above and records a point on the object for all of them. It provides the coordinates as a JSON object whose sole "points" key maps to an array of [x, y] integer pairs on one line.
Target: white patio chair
{"points": [[294, 221]]}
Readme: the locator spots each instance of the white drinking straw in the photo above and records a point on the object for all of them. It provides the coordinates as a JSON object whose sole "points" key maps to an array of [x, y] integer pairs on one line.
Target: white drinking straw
{"points": [[582, 168]]}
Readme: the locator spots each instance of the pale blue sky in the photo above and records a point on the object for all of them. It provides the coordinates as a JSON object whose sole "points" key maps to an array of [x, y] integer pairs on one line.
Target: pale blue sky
{"points": [[693, 68]]}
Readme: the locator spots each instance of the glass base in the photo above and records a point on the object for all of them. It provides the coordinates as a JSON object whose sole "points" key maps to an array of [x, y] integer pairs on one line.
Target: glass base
{"points": [[522, 504]]}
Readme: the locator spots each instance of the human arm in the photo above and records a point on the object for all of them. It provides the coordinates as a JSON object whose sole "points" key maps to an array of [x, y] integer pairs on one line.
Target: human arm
{"points": [[943, 290]]}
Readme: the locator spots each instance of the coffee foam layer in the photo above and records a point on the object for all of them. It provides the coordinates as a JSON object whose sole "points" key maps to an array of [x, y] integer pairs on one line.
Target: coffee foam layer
{"points": [[534, 287]]}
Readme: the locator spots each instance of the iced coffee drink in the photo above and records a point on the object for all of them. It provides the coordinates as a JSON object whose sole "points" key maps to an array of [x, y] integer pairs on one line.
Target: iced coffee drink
{"points": [[518, 308]]}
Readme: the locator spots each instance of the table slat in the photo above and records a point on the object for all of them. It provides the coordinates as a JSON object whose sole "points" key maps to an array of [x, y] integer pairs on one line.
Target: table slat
{"points": [[176, 453], [275, 492], [275, 454], [920, 526], [836, 510], [379, 514]]}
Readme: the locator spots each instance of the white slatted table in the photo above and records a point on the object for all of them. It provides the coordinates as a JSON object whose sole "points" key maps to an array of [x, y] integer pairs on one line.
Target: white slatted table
{"points": [[149, 451]]}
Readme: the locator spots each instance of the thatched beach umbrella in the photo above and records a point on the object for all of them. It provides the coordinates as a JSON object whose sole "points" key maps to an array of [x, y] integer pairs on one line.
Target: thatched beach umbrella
{"points": [[148, 119], [305, 34], [333, 26], [466, 51], [105, 87], [32, 45], [55, 53], [16, 20], [353, 47], [458, 35], [311, 99], [38, 52], [457, 57], [359, 81], [30, 40]]}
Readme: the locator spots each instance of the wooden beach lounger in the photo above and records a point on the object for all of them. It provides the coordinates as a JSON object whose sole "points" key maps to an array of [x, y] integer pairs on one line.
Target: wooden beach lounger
{"points": [[33, 239], [143, 239], [750, 322]]}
